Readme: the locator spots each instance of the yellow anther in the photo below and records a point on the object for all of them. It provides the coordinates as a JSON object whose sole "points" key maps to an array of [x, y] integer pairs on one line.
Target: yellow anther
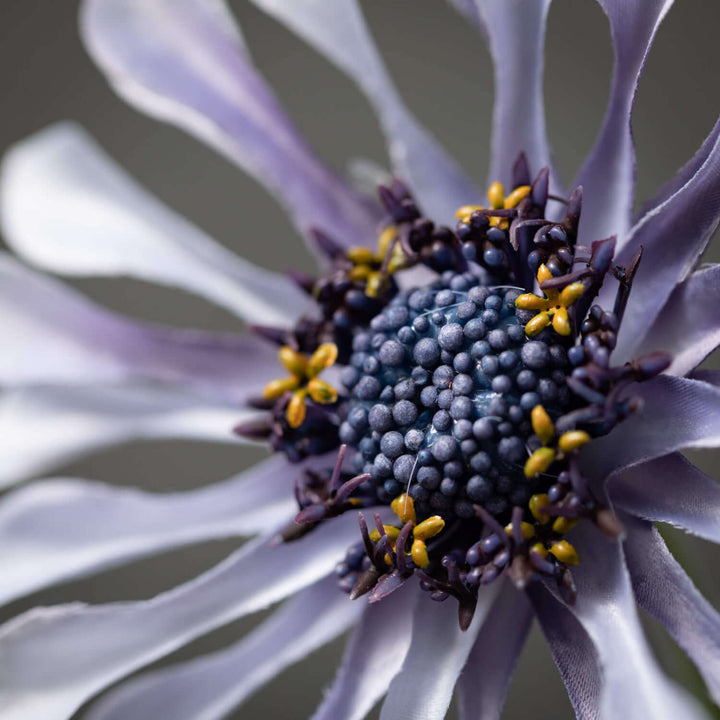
{"points": [[428, 528], [564, 524], [360, 273], [528, 530], [419, 553], [322, 392], [386, 237], [537, 324], [325, 356], [496, 195], [572, 440], [540, 549], [561, 321], [463, 213], [390, 530], [565, 553], [539, 461], [517, 196], [293, 361], [536, 505], [543, 274], [277, 388], [360, 255], [571, 293], [373, 284], [542, 425], [529, 301], [295, 412], [404, 507]]}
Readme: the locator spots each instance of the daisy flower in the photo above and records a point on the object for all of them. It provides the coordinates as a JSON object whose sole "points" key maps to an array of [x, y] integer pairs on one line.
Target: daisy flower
{"points": [[475, 408]]}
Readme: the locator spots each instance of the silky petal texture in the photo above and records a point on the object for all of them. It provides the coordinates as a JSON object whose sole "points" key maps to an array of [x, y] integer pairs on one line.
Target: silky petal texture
{"points": [[338, 31], [515, 32], [437, 642], [41, 680], [483, 685], [688, 326], [572, 650], [184, 62], [209, 687], [373, 657], [632, 684], [57, 529], [55, 335], [68, 208], [663, 589], [608, 174], [43, 427]]}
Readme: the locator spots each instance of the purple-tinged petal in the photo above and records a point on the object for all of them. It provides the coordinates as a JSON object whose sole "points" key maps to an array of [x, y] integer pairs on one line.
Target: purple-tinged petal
{"points": [[439, 643], [337, 30], [689, 324], [608, 175], [57, 529], [663, 589], [572, 650], [54, 659], [483, 685], [209, 687], [632, 684], [669, 489], [184, 62], [515, 33], [53, 335], [67, 207], [42, 427], [372, 659]]}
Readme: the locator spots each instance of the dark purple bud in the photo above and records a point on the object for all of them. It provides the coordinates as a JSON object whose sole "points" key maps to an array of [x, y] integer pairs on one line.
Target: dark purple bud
{"points": [[540, 187], [521, 171]]}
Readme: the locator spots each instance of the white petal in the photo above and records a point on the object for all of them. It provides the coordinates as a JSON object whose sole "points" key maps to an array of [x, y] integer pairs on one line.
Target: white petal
{"points": [[209, 687], [184, 62], [55, 659], [67, 207], [337, 30]]}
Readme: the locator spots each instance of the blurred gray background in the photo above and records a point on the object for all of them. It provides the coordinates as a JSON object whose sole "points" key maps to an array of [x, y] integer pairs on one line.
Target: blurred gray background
{"points": [[443, 70]]}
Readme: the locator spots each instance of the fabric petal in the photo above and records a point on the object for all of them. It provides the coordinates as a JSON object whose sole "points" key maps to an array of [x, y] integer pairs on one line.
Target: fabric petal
{"points": [[689, 324], [43, 427], [67, 207], [664, 590], [184, 62], [338, 31], [483, 685], [670, 490], [437, 641], [55, 335], [209, 687], [608, 175], [373, 657], [62, 528], [54, 659]]}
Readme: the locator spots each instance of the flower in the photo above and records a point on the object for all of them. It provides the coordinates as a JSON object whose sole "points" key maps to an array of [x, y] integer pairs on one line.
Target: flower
{"points": [[107, 378]]}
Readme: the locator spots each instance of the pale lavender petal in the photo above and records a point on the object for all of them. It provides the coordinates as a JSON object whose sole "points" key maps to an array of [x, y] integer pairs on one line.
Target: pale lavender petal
{"points": [[374, 655], [55, 335], [337, 30], [184, 62], [209, 687], [54, 659], [689, 324], [670, 490], [44, 426], [53, 530], [437, 642], [572, 650], [663, 589], [608, 175], [632, 684], [483, 685], [67, 207]]}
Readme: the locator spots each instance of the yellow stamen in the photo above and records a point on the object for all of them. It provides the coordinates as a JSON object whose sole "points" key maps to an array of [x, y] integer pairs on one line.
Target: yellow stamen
{"points": [[565, 553], [404, 507], [390, 530], [428, 528], [563, 525], [322, 358], [517, 196], [419, 553], [561, 321], [322, 392], [277, 388], [528, 530], [572, 440], [539, 461], [463, 213], [540, 549], [292, 360], [537, 324], [360, 255], [536, 505], [542, 425], [295, 412], [496, 195], [571, 293]]}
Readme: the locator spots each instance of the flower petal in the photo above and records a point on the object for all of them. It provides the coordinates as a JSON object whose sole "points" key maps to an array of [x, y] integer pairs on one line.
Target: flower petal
{"points": [[688, 326], [373, 657], [211, 686], [67, 207], [184, 62], [483, 685], [669, 489], [437, 642], [664, 590], [54, 659], [55, 335], [43, 427], [608, 175], [53, 530], [515, 32], [337, 30]]}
